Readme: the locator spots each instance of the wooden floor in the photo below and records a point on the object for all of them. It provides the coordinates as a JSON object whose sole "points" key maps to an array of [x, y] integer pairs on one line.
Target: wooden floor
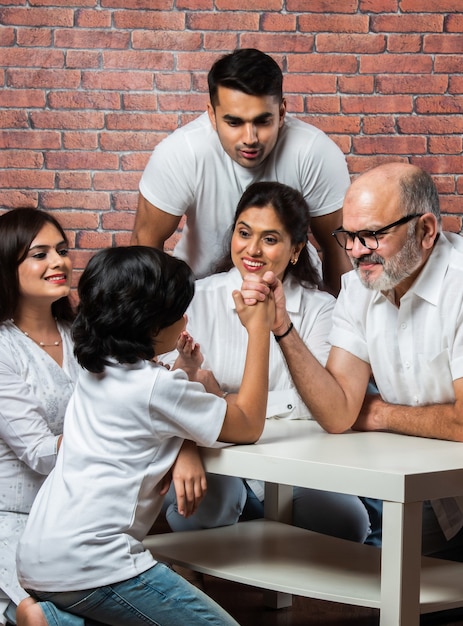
{"points": [[246, 605]]}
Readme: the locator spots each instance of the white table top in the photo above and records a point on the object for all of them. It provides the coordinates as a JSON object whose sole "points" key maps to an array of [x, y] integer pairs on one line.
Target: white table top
{"points": [[375, 464]]}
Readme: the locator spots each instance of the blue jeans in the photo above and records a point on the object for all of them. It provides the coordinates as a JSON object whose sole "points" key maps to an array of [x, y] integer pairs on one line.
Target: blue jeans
{"points": [[157, 597]]}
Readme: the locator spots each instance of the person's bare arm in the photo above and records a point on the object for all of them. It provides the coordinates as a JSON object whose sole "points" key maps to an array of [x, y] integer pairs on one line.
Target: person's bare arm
{"points": [[335, 261], [245, 417], [334, 394], [152, 226], [437, 421]]}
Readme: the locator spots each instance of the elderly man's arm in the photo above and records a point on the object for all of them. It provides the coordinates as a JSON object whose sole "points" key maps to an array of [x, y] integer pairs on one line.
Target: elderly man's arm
{"points": [[335, 261], [334, 394], [152, 226], [437, 421]]}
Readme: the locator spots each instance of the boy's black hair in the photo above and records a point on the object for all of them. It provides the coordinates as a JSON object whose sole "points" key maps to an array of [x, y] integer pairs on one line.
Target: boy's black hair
{"points": [[248, 70], [127, 295]]}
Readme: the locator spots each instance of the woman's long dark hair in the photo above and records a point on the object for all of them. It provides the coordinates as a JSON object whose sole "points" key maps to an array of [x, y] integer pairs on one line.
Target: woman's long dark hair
{"points": [[18, 228], [293, 212], [127, 295]]}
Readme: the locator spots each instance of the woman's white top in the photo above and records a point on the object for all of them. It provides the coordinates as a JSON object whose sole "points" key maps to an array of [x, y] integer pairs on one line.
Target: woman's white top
{"points": [[214, 323], [34, 393]]}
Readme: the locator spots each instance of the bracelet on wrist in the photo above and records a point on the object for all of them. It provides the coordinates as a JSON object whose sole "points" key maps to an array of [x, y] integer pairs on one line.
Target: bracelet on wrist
{"points": [[278, 338]]}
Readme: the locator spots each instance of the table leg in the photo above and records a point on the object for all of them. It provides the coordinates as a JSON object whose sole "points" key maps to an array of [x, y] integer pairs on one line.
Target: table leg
{"points": [[401, 564], [278, 504]]}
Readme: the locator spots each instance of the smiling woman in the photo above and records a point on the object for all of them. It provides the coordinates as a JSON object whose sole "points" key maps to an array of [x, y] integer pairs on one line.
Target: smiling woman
{"points": [[37, 372], [269, 233]]}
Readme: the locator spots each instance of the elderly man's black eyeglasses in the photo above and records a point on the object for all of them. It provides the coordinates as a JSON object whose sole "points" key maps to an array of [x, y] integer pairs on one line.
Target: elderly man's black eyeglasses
{"points": [[368, 238]]}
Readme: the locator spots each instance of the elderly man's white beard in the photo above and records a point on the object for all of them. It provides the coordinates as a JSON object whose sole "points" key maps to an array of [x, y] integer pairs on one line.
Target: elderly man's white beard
{"points": [[395, 270]]}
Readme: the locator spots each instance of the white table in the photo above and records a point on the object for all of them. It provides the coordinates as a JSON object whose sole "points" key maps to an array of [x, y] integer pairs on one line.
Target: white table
{"points": [[403, 471]]}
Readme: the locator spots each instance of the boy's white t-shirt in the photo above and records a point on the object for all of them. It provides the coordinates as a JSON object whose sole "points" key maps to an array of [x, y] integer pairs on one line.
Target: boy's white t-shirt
{"points": [[122, 432]]}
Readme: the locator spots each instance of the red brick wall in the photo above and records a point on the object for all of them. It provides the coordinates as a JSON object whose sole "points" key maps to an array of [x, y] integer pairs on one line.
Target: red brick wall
{"points": [[90, 87]]}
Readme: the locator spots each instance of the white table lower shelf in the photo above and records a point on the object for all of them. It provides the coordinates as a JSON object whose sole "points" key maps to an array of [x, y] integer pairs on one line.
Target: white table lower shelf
{"points": [[279, 557]]}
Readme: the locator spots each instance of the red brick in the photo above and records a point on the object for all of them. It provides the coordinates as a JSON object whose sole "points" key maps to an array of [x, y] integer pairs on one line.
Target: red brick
{"points": [[8, 36], [389, 145], [323, 6], [326, 63], [220, 41], [22, 57], [92, 239], [451, 224], [134, 162], [139, 102], [22, 98], [122, 238], [126, 201], [368, 44], [26, 179], [35, 37], [189, 102], [73, 180], [323, 104], [80, 38], [377, 104], [441, 164], [445, 184], [451, 204], [379, 124], [118, 221], [141, 121], [195, 5], [356, 84], [115, 80], [51, 78], [157, 20], [445, 145], [89, 18], [14, 119], [450, 64], [359, 164], [430, 125], [439, 104], [378, 6], [222, 21], [269, 42], [166, 40], [389, 63], [430, 6], [390, 84], [245, 5], [31, 140], [442, 44], [310, 84], [67, 120], [278, 22], [334, 124], [404, 43], [453, 23], [336, 23], [83, 59], [136, 60], [127, 141], [93, 100], [78, 140], [173, 81], [81, 161], [90, 204], [407, 23], [37, 17], [21, 159], [128, 181], [294, 104], [12, 199]]}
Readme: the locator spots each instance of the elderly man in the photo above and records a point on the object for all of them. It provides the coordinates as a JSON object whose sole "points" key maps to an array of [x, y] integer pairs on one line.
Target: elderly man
{"points": [[398, 318]]}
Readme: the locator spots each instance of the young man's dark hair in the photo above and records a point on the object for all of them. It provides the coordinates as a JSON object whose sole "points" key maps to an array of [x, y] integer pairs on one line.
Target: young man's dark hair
{"points": [[248, 70]]}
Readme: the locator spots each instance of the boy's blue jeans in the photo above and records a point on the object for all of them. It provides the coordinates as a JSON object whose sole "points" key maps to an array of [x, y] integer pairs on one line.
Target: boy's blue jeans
{"points": [[157, 597]]}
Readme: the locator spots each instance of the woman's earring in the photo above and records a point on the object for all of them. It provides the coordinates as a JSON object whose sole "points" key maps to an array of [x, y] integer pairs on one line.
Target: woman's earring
{"points": [[294, 260]]}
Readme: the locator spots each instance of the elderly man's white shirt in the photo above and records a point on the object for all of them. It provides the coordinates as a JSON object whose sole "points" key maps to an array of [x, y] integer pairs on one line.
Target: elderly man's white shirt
{"points": [[415, 351]]}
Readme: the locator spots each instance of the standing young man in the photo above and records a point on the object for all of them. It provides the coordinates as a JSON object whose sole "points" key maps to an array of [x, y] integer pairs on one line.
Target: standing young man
{"points": [[202, 169]]}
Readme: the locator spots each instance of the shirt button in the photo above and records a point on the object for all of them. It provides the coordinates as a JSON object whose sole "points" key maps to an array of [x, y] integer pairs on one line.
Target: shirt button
{"points": [[289, 406], [403, 326]]}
